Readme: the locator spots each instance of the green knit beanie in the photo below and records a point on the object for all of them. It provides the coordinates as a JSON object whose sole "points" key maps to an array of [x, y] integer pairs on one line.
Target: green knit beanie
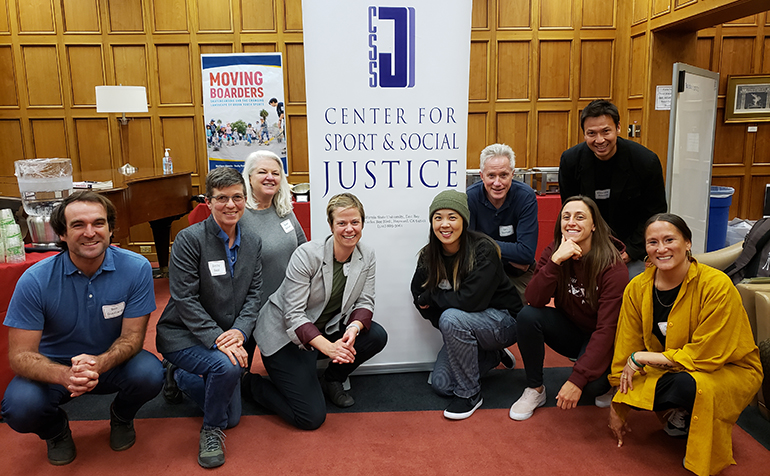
{"points": [[453, 200]]}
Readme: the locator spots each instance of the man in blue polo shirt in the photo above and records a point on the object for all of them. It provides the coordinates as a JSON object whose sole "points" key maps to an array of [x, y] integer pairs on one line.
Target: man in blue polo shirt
{"points": [[506, 210], [77, 323]]}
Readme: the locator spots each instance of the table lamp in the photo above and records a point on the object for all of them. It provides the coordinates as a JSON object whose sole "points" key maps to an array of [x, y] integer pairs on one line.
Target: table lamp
{"points": [[120, 100]]}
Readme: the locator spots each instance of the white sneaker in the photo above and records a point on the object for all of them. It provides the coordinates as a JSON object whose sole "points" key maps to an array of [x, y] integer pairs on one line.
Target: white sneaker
{"points": [[604, 401], [525, 406]]}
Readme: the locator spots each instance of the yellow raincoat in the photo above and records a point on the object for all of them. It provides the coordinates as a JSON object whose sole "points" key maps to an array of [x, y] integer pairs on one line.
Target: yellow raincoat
{"points": [[708, 334]]}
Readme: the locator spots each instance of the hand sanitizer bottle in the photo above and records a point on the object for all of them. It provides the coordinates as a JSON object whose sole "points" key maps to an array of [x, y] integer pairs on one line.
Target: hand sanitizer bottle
{"points": [[168, 166]]}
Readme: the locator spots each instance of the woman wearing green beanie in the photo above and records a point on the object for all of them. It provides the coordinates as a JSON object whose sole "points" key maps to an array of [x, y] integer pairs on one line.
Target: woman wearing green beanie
{"points": [[461, 288]]}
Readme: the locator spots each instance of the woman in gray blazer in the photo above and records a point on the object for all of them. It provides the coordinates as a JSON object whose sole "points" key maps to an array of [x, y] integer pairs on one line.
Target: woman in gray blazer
{"points": [[215, 279], [325, 304]]}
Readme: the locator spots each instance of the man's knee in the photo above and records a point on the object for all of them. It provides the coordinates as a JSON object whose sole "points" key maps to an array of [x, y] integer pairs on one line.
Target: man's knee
{"points": [[143, 372], [25, 403]]}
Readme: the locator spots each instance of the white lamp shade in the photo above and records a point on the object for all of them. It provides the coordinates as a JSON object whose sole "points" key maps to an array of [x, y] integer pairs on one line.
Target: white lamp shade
{"points": [[121, 99]]}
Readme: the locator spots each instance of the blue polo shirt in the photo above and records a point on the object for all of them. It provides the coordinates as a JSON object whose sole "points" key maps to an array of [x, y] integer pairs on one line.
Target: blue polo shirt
{"points": [[78, 314]]}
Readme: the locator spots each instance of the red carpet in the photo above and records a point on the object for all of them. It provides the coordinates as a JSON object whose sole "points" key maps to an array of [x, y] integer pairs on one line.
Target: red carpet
{"points": [[552, 442]]}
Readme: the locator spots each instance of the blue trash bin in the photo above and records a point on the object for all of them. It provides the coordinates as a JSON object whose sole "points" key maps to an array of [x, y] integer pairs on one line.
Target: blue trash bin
{"points": [[719, 209]]}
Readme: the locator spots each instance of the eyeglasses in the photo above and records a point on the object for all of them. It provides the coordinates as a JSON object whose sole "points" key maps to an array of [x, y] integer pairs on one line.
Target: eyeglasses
{"points": [[224, 199]]}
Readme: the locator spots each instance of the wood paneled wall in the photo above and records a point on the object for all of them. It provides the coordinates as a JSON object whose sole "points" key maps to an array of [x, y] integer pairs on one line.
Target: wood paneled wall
{"points": [[741, 158], [739, 46], [534, 65]]}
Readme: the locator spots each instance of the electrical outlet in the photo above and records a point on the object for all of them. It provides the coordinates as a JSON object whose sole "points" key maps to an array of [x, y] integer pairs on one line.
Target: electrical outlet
{"points": [[145, 249]]}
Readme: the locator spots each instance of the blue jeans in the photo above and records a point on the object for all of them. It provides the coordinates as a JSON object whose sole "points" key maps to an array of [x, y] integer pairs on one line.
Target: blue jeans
{"points": [[472, 345], [33, 407], [212, 381]]}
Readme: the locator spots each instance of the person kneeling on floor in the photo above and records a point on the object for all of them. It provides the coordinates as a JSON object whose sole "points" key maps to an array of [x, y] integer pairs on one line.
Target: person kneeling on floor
{"points": [[460, 286], [324, 307], [215, 280], [582, 270], [77, 324], [684, 349]]}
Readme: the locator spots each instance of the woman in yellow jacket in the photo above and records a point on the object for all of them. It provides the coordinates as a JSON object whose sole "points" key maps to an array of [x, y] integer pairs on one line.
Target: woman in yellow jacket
{"points": [[684, 348]]}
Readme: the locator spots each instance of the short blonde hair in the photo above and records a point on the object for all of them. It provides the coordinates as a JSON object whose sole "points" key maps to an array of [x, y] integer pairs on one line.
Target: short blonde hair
{"points": [[344, 200]]}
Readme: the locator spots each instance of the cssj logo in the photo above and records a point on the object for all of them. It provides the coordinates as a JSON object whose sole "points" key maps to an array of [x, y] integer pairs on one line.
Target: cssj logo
{"points": [[391, 63]]}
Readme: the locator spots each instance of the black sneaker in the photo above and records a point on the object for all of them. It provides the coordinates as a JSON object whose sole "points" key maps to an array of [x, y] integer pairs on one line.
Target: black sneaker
{"points": [[462, 408], [211, 448], [171, 392], [61, 449], [336, 393], [122, 433], [507, 359]]}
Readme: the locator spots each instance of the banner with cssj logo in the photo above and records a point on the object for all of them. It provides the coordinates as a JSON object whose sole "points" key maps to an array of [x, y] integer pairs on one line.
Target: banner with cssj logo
{"points": [[387, 110]]}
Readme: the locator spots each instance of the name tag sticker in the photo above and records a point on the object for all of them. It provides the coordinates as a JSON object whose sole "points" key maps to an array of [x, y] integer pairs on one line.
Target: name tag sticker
{"points": [[217, 268], [602, 194], [112, 311], [506, 230], [287, 226]]}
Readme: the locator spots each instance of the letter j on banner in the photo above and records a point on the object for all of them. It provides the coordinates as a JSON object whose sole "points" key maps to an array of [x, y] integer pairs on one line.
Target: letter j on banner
{"points": [[393, 62]]}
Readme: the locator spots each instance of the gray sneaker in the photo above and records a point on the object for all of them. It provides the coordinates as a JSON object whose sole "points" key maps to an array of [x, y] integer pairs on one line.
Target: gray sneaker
{"points": [[211, 448], [605, 400], [678, 423]]}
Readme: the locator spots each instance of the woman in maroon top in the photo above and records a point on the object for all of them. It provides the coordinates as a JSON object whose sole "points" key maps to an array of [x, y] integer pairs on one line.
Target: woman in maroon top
{"points": [[584, 273]]}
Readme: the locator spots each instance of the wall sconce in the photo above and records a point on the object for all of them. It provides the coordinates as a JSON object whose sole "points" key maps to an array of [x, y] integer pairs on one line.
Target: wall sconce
{"points": [[122, 99]]}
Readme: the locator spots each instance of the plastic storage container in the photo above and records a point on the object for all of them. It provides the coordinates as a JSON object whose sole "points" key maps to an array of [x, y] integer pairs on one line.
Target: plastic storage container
{"points": [[719, 209], [43, 183]]}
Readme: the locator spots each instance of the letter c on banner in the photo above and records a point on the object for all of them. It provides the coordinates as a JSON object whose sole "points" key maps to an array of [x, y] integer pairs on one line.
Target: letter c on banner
{"points": [[422, 173]]}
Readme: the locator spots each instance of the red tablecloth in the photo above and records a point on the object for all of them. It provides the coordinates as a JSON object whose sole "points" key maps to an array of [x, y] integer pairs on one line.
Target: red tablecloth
{"points": [[548, 207], [302, 212], [9, 274]]}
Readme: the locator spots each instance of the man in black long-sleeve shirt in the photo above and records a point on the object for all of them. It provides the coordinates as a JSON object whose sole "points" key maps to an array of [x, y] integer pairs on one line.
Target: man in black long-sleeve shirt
{"points": [[623, 177]]}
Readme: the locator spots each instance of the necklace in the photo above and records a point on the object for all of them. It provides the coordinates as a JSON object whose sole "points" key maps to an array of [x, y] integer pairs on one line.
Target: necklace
{"points": [[655, 292]]}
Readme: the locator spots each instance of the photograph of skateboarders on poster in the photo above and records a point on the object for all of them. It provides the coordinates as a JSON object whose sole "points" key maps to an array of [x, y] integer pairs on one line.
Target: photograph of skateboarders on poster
{"points": [[243, 107]]}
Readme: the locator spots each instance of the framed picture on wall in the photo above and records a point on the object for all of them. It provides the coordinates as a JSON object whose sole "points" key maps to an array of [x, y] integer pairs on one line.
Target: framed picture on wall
{"points": [[748, 98]]}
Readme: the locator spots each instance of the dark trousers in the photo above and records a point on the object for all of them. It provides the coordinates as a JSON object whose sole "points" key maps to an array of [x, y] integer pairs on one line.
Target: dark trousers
{"points": [[294, 392], [546, 325], [33, 407], [675, 390]]}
